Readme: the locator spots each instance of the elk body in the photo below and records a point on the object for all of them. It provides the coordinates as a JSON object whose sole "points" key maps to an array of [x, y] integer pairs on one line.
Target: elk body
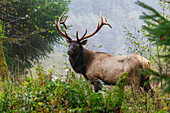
{"points": [[100, 65]]}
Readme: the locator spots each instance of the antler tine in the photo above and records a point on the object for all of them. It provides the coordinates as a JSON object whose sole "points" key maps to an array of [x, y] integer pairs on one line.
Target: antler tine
{"points": [[59, 27], [64, 22], [101, 17], [105, 19], [84, 33], [107, 23], [65, 18], [99, 26], [82, 36], [66, 33], [77, 35]]}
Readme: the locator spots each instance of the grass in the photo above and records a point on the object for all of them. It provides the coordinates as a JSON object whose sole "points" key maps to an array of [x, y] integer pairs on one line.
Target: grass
{"points": [[71, 93]]}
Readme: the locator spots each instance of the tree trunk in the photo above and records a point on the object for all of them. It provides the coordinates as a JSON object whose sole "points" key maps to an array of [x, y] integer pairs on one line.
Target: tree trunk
{"points": [[4, 72]]}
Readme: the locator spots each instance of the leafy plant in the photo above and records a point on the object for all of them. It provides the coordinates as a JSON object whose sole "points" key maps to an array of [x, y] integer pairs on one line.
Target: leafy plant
{"points": [[64, 94], [4, 74], [158, 28], [30, 31], [151, 48], [71, 93]]}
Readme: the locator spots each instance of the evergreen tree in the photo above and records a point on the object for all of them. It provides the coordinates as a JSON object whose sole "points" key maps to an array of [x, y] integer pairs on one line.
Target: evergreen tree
{"points": [[158, 28], [30, 25]]}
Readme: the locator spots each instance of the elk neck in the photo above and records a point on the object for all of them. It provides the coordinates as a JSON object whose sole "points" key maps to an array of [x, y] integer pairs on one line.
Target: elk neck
{"points": [[80, 61]]}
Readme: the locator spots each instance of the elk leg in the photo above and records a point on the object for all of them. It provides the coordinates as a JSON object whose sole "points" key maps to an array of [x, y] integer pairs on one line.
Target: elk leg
{"points": [[97, 85], [147, 87]]}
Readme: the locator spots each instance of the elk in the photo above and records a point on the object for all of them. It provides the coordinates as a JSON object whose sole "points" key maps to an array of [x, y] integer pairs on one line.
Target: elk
{"points": [[100, 65]]}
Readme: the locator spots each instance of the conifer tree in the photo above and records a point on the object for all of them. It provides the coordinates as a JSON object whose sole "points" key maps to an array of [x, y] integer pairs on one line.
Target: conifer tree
{"points": [[158, 28], [29, 26]]}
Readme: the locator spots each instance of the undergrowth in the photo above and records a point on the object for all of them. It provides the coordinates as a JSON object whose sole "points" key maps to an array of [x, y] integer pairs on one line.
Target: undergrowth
{"points": [[71, 93]]}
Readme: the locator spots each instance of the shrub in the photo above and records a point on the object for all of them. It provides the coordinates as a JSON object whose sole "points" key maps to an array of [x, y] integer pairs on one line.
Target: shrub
{"points": [[70, 93]]}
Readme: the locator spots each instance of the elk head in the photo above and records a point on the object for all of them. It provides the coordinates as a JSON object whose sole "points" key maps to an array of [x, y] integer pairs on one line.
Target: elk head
{"points": [[75, 46]]}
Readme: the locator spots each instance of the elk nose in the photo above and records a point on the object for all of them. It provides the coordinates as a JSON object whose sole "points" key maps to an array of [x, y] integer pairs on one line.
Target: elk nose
{"points": [[69, 52]]}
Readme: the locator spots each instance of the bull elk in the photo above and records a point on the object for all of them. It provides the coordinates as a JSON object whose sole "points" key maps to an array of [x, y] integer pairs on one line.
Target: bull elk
{"points": [[100, 65]]}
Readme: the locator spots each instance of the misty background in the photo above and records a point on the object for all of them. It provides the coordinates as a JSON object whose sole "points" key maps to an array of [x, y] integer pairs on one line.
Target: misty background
{"points": [[86, 14]]}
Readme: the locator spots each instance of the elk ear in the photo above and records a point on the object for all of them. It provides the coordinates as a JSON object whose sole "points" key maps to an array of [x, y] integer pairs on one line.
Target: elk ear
{"points": [[83, 42]]}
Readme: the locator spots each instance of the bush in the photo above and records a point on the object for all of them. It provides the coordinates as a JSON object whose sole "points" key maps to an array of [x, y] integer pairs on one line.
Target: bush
{"points": [[64, 94], [70, 93]]}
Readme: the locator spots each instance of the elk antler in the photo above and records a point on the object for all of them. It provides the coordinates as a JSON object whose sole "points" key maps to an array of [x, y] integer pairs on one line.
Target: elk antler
{"points": [[98, 28], [59, 27]]}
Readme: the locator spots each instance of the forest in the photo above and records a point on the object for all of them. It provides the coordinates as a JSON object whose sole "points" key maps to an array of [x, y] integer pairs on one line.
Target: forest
{"points": [[36, 74]]}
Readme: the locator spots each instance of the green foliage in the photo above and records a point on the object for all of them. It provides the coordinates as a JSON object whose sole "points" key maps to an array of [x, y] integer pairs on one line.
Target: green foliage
{"points": [[4, 72], [1, 30], [136, 42], [158, 28], [159, 77], [70, 94], [29, 26]]}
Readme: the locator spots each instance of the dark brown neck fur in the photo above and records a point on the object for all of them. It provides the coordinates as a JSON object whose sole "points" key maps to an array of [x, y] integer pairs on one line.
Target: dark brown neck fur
{"points": [[80, 61]]}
